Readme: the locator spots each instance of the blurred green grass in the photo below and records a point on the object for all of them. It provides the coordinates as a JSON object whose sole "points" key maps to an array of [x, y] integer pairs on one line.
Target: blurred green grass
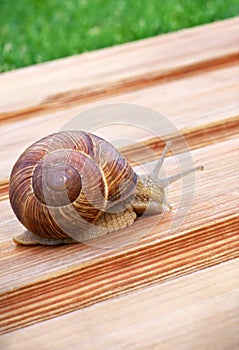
{"points": [[33, 31]]}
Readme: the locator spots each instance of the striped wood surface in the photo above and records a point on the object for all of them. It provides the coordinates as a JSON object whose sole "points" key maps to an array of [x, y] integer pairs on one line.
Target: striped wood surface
{"points": [[190, 76]]}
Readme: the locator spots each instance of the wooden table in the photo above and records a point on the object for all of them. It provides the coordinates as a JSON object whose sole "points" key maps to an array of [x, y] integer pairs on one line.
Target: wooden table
{"points": [[165, 290]]}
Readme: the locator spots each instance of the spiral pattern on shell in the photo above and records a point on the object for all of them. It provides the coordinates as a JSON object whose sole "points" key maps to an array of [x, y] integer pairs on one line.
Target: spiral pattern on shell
{"points": [[67, 180]]}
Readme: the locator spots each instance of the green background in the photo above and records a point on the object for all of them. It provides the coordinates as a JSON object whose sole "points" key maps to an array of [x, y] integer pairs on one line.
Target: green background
{"points": [[37, 31]]}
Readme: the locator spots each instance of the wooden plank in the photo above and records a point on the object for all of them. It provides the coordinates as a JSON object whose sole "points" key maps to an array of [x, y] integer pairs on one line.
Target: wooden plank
{"points": [[110, 71], [32, 278], [193, 105], [192, 78], [199, 310]]}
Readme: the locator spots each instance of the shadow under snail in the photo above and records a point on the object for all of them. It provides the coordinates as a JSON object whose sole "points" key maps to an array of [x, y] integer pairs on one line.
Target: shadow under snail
{"points": [[74, 186]]}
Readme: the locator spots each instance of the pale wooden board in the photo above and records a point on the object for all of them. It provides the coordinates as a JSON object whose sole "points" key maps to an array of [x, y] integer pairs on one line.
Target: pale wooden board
{"points": [[199, 311], [189, 103], [32, 279], [192, 77], [115, 69]]}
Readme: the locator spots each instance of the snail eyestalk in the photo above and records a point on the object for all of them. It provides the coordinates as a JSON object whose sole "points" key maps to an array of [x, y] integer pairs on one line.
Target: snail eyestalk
{"points": [[159, 163], [171, 179], [165, 182]]}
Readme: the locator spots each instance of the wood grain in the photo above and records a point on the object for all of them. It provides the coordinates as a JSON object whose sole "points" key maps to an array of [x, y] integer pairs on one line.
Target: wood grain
{"points": [[200, 309], [115, 70], [192, 78], [33, 278], [201, 104]]}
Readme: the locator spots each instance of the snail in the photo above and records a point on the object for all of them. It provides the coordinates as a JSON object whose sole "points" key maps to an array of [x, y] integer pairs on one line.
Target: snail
{"points": [[74, 186]]}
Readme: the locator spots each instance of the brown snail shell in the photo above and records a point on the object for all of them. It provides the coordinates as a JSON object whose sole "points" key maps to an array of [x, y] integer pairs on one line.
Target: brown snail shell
{"points": [[66, 180]]}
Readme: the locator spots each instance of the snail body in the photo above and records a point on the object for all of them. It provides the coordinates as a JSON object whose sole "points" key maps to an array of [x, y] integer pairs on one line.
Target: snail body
{"points": [[73, 186]]}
